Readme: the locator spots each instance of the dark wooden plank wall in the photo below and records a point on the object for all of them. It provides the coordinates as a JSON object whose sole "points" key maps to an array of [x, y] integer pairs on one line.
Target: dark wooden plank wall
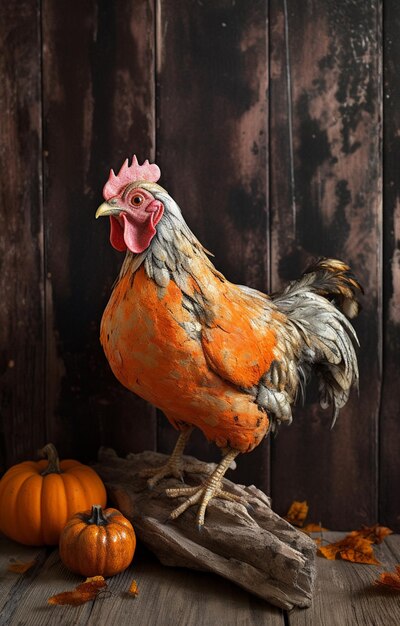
{"points": [[326, 104], [22, 320], [390, 409], [94, 115], [265, 118]]}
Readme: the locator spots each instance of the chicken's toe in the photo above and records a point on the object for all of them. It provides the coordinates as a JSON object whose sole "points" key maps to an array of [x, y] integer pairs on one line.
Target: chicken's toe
{"points": [[195, 494], [155, 474], [203, 494], [174, 465], [211, 488]]}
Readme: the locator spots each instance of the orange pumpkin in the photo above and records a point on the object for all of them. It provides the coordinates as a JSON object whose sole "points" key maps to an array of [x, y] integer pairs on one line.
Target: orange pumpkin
{"points": [[38, 498], [97, 542]]}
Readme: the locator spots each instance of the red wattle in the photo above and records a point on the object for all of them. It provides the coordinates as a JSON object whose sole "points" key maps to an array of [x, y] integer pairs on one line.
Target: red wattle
{"points": [[137, 229], [138, 235], [117, 235]]}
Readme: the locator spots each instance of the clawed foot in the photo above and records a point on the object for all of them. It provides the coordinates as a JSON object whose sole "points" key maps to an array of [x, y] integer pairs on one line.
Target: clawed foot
{"points": [[203, 494], [174, 468], [174, 465], [155, 474]]}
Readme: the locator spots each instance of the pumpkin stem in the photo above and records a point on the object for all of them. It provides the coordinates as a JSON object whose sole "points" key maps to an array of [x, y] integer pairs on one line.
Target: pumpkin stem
{"points": [[51, 453], [97, 516]]}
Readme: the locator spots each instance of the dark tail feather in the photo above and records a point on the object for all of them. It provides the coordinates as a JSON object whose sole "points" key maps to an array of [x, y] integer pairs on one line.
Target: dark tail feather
{"points": [[318, 304], [334, 280]]}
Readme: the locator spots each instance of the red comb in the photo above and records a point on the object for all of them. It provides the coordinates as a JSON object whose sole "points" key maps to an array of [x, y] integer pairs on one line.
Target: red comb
{"points": [[128, 174]]}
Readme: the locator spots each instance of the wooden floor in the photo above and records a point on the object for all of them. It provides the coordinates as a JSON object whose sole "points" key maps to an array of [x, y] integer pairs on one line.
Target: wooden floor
{"points": [[172, 597]]}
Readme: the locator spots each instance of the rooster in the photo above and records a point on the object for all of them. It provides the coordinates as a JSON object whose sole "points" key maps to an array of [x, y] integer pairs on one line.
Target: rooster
{"points": [[210, 354]]}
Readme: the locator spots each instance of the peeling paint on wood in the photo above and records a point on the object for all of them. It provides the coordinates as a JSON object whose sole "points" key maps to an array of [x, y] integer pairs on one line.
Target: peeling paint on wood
{"points": [[389, 508], [326, 109]]}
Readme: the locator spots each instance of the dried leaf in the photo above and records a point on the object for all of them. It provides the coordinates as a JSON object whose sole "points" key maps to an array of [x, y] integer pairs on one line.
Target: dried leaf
{"points": [[297, 513], [374, 533], [133, 589], [19, 567], [82, 593], [389, 579], [313, 528], [94, 579], [351, 548]]}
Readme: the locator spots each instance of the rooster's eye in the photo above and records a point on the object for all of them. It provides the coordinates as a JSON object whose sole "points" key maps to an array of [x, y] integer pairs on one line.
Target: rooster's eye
{"points": [[137, 199]]}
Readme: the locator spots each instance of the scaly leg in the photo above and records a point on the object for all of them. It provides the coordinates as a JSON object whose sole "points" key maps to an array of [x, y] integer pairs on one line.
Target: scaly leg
{"points": [[211, 488], [174, 466]]}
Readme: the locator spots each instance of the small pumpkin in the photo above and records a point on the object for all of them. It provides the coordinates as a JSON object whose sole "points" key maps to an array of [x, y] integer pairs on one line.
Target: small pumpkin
{"points": [[38, 498], [97, 542]]}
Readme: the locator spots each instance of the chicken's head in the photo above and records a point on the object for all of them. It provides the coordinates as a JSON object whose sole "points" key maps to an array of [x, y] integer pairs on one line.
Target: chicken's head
{"points": [[134, 211]]}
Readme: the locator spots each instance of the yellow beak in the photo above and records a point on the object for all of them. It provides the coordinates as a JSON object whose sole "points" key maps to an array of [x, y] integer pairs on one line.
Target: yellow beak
{"points": [[107, 209]]}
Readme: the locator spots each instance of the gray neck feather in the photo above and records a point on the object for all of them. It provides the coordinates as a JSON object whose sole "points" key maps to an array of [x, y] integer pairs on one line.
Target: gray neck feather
{"points": [[173, 254]]}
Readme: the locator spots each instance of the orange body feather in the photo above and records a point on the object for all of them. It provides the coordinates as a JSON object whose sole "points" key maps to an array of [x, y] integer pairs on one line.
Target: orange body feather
{"points": [[193, 382]]}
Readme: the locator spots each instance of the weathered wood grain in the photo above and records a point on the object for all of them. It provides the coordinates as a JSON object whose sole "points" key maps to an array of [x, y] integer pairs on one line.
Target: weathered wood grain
{"points": [[212, 148], [176, 597], [326, 201], [249, 545], [166, 596], [345, 594], [389, 470], [12, 586], [22, 415], [28, 604], [98, 75]]}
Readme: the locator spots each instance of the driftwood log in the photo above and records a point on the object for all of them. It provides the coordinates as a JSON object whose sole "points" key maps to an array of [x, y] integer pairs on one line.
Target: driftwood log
{"points": [[249, 545]]}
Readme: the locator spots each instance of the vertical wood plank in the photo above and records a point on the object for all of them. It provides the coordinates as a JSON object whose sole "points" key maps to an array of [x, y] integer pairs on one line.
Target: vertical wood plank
{"points": [[211, 145], [390, 419], [99, 109], [326, 201], [22, 419]]}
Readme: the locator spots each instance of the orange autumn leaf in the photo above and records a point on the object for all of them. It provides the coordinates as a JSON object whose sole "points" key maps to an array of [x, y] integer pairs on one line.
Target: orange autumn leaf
{"points": [[313, 528], [389, 579], [98, 581], [374, 533], [297, 513], [82, 593], [19, 567], [133, 589], [352, 548]]}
